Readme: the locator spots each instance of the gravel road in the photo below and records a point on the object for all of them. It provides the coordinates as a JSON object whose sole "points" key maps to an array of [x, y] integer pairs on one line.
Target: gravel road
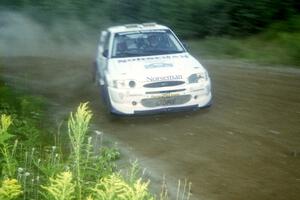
{"points": [[246, 146]]}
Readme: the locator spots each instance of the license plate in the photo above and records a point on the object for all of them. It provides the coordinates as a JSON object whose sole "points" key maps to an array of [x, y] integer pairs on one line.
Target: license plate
{"points": [[166, 95], [167, 101]]}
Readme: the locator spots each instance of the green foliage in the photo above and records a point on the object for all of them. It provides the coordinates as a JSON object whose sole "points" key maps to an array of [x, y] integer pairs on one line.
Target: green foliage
{"points": [[38, 164], [8, 160], [279, 44], [5, 122], [78, 126], [77, 129], [60, 188], [134, 172], [26, 112], [94, 170], [47, 161], [114, 187], [99, 165], [10, 189]]}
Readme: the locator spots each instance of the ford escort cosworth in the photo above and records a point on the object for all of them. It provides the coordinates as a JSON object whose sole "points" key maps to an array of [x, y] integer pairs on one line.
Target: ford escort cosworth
{"points": [[144, 68]]}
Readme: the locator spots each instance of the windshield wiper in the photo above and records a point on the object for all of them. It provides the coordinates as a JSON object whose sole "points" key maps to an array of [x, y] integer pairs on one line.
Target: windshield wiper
{"points": [[127, 54]]}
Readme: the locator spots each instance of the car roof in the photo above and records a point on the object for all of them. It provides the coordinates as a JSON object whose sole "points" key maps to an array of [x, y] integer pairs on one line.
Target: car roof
{"points": [[136, 27]]}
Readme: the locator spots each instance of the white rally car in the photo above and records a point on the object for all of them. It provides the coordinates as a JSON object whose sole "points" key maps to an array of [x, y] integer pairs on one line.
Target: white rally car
{"points": [[144, 68]]}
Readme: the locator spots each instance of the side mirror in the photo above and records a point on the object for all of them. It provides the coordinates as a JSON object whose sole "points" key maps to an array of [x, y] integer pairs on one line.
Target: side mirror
{"points": [[105, 53], [102, 37]]}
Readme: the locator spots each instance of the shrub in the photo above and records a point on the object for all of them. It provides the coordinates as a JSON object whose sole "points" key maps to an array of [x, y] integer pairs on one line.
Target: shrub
{"points": [[60, 188], [10, 189], [114, 187], [86, 173]]}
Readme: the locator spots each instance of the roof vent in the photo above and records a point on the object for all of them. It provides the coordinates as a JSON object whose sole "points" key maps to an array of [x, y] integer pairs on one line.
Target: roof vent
{"points": [[149, 24], [132, 25]]}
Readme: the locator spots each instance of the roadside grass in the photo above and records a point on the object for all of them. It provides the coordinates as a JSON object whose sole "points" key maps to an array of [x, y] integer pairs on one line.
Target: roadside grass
{"points": [[27, 113], [42, 173], [31, 169], [278, 45]]}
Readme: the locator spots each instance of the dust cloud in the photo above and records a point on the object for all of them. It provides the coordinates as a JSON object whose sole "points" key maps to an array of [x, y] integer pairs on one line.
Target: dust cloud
{"points": [[22, 35]]}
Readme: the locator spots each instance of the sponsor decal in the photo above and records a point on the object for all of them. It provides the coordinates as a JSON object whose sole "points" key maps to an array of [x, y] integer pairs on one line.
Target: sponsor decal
{"points": [[164, 78], [151, 58], [158, 65]]}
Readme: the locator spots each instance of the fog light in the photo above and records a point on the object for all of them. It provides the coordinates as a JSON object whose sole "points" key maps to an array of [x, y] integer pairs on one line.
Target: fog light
{"points": [[132, 84], [134, 103]]}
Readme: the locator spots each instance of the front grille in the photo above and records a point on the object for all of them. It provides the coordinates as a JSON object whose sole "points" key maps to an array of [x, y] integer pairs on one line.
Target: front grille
{"points": [[165, 101], [163, 84]]}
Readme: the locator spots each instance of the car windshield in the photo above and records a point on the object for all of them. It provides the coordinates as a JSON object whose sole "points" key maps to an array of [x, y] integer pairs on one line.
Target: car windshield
{"points": [[145, 43]]}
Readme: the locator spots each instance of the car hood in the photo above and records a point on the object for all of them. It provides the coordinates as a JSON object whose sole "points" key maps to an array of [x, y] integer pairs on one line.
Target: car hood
{"points": [[155, 68]]}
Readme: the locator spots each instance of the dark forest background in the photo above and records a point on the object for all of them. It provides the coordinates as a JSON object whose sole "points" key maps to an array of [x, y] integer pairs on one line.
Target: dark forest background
{"points": [[263, 31], [190, 18]]}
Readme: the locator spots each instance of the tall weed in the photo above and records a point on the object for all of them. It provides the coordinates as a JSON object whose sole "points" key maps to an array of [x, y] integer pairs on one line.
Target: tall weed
{"points": [[60, 188], [5, 147], [114, 187], [10, 189], [77, 128]]}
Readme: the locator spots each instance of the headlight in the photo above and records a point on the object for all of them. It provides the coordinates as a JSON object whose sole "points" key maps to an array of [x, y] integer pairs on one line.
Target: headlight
{"points": [[119, 83], [194, 78]]}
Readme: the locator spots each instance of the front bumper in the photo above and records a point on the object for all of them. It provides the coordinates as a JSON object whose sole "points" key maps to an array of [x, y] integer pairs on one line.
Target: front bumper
{"points": [[141, 101]]}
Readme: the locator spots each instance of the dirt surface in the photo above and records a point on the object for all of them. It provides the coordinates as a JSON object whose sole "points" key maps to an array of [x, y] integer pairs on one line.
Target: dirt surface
{"points": [[246, 146]]}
